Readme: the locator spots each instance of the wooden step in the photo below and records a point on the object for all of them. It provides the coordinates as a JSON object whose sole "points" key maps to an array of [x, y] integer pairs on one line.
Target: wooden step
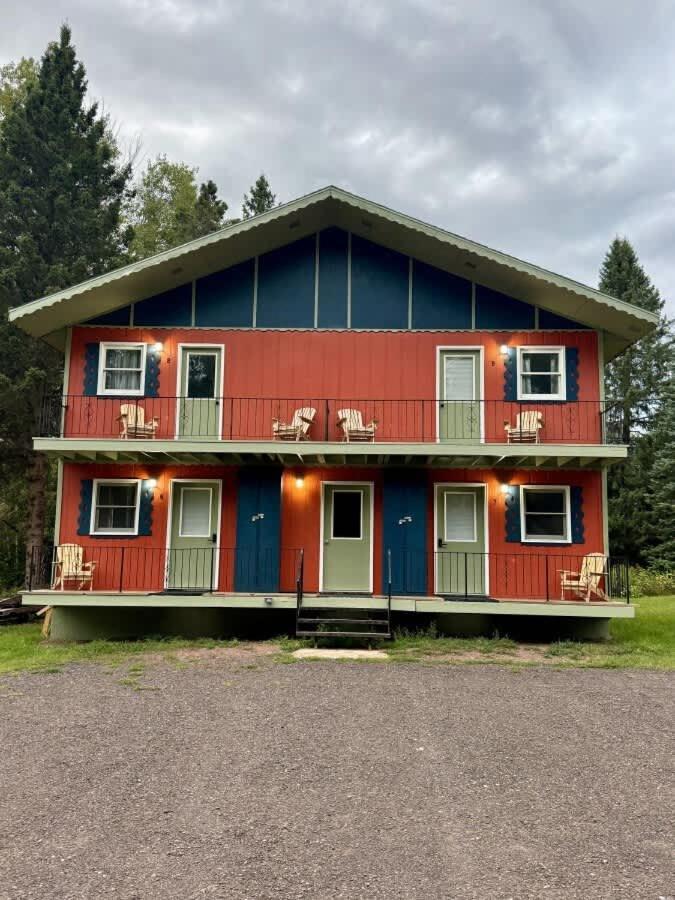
{"points": [[338, 621], [344, 634]]}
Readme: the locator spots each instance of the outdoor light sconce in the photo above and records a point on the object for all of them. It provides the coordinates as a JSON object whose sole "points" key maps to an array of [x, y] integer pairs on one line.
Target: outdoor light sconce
{"points": [[299, 481], [504, 350], [158, 347], [151, 484], [504, 488]]}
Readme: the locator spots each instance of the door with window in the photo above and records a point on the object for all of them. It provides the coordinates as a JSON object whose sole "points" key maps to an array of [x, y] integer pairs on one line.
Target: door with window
{"points": [[347, 547], [192, 563], [460, 540], [459, 414], [199, 405]]}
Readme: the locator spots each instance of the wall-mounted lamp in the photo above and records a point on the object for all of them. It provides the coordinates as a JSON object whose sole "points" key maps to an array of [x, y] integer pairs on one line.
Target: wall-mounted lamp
{"points": [[299, 481], [151, 484], [504, 488], [504, 350], [158, 347]]}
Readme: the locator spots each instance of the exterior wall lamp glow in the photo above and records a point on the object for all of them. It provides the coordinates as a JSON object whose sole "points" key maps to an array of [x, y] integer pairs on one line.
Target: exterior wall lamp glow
{"points": [[299, 481], [158, 347], [504, 350], [151, 484]]}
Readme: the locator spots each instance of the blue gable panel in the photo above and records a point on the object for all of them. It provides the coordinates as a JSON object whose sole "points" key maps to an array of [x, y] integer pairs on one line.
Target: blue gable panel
{"points": [[172, 307], [440, 300], [551, 320], [333, 278], [225, 299], [379, 286], [286, 286], [116, 317], [495, 310]]}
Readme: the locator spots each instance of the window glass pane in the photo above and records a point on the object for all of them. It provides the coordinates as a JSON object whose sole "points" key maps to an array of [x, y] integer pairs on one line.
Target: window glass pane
{"points": [[201, 379], [460, 517], [122, 381], [540, 525], [541, 362], [195, 515], [123, 358], [117, 495], [545, 501], [459, 381], [123, 518], [540, 384], [347, 514]]}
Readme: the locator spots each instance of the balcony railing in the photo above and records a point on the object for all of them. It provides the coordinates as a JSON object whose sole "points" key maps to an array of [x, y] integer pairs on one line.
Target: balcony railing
{"points": [[399, 421], [127, 568]]}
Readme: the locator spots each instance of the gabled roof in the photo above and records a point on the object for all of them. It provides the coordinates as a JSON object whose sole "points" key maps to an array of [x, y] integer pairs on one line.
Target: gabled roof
{"points": [[622, 322]]}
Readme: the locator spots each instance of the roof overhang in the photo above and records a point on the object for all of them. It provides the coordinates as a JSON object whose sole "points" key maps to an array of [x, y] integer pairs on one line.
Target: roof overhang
{"points": [[621, 322]]}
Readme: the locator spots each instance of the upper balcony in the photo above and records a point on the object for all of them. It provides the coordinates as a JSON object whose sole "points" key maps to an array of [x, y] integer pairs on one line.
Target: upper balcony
{"points": [[320, 429]]}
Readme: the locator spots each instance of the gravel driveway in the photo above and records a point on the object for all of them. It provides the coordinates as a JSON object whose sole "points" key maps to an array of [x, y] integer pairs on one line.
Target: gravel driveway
{"points": [[254, 779]]}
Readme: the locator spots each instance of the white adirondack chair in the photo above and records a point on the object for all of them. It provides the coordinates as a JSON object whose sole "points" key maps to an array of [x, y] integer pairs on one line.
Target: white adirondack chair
{"points": [[353, 429], [587, 581], [133, 424], [70, 566], [527, 428], [297, 429]]}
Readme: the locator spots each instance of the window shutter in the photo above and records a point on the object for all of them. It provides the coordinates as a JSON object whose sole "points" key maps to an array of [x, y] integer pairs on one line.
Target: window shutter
{"points": [[513, 535], [84, 517], [572, 373], [145, 511], [151, 372], [91, 352], [577, 515], [511, 376]]}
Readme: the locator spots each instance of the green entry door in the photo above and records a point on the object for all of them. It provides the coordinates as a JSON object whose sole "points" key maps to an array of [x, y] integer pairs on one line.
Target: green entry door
{"points": [[193, 541], [460, 544], [347, 557], [459, 416], [200, 400]]}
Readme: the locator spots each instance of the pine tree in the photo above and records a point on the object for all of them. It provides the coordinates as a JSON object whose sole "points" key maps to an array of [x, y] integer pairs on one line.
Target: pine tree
{"points": [[62, 190], [259, 198], [662, 486], [209, 210], [636, 383]]}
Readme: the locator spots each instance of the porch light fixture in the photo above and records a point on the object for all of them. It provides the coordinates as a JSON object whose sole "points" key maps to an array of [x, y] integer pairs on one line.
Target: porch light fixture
{"points": [[299, 481], [504, 350], [504, 488], [158, 347], [151, 484]]}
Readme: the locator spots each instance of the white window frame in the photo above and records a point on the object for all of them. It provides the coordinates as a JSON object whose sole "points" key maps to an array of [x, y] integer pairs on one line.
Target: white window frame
{"points": [[446, 539], [115, 482], [203, 490], [349, 490], [562, 385], [547, 539], [119, 392]]}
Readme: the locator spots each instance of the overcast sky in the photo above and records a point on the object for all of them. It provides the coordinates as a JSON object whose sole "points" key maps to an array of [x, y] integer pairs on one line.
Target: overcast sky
{"points": [[539, 127]]}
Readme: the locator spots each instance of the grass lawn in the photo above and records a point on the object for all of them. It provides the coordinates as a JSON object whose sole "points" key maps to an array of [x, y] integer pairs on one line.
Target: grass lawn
{"points": [[648, 641]]}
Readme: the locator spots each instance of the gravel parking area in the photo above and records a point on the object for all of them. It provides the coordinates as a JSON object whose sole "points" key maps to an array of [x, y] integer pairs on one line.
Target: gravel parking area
{"points": [[236, 779]]}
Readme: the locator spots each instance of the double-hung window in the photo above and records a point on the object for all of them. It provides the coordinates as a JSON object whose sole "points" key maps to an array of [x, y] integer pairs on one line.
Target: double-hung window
{"points": [[545, 514], [114, 508], [121, 369], [541, 373]]}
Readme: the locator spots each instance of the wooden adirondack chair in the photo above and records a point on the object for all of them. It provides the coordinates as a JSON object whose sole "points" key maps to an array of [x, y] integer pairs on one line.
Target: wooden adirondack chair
{"points": [[297, 429], [70, 566], [587, 581], [353, 429], [527, 428], [133, 424]]}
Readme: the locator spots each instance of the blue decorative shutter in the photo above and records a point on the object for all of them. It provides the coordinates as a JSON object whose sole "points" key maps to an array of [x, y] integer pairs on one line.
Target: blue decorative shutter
{"points": [[511, 376], [572, 372], [513, 535], [152, 358], [84, 516], [91, 352], [145, 511], [577, 514]]}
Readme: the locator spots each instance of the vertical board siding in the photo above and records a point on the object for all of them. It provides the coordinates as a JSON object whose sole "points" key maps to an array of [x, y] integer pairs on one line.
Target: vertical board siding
{"points": [[379, 289], [496, 310], [439, 300], [172, 307], [333, 278], [286, 286], [116, 317], [551, 320], [225, 299]]}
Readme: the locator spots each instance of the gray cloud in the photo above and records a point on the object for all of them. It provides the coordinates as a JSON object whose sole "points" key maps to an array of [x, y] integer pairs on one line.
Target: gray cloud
{"points": [[540, 129]]}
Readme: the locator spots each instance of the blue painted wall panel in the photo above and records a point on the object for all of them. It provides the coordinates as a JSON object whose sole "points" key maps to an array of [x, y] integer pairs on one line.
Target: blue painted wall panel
{"points": [[333, 278], [379, 286], [258, 530], [496, 310], [172, 307], [286, 286], [551, 320], [116, 317], [440, 300], [225, 299]]}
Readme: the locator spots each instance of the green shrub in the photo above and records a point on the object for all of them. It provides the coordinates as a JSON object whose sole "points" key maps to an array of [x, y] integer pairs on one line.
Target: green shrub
{"points": [[651, 582]]}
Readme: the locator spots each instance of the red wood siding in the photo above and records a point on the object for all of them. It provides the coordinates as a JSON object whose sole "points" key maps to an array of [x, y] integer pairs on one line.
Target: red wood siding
{"points": [[349, 368]]}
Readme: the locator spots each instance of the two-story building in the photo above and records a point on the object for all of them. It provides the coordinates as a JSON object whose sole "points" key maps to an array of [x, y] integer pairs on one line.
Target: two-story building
{"points": [[330, 407]]}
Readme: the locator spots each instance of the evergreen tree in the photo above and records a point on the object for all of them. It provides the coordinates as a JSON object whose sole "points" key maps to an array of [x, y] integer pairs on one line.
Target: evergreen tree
{"points": [[635, 382], [259, 198], [62, 190], [169, 209], [662, 486]]}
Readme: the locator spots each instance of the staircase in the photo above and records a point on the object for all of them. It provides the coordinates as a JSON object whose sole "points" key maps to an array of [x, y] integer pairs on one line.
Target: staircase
{"points": [[328, 622]]}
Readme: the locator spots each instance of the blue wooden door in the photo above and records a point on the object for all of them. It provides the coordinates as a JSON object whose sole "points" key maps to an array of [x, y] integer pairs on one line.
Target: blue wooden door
{"points": [[404, 512], [258, 531]]}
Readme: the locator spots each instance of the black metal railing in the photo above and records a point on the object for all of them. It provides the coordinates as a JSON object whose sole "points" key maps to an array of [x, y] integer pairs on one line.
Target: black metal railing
{"points": [[322, 419]]}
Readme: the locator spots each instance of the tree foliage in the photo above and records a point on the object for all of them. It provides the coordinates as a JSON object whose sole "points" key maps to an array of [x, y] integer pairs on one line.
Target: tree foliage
{"points": [[170, 209], [661, 493], [259, 198], [14, 81]]}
